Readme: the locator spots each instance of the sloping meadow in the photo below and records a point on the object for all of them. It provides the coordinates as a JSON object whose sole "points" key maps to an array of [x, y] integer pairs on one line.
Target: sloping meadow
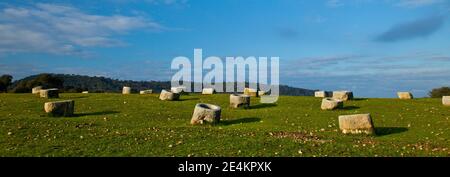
{"points": [[143, 125]]}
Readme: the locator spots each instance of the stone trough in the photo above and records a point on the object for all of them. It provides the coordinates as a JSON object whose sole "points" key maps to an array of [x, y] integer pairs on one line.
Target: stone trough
{"points": [[206, 113], [405, 95], [343, 95], [60, 108], [49, 93], [356, 124], [446, 100], [331, 104], [239, 100], [169, 96]]}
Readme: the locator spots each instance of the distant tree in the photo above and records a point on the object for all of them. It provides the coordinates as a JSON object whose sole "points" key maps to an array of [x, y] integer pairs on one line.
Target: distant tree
{"points": [[44, 80], [5, 82], [47, 81], [439, 92]]}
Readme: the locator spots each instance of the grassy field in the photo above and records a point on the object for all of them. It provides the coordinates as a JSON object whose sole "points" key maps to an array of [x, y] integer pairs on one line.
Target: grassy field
{"points": [[142, 125]]}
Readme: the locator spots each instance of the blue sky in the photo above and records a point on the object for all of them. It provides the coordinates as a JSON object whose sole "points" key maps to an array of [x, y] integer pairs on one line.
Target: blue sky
{"points": [[372, 47]]}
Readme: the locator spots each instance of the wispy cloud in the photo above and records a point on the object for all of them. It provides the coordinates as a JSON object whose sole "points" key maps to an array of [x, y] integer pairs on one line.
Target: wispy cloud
{"points": [[372, 76], [334, 3], [398, 3], [329, 59], [417, 3], [151, 2], [168, 2], [63, 29], [411, 30], [353, 65]]}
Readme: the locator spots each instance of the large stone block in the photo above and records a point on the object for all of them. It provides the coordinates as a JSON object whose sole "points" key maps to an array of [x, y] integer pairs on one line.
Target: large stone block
{"points": [[405, 95], [36, 90], [356, 124], [206, 113], [208, 91], [331, 103], [239, 100], [343, 95], [49, 93], [60, 108], [126, 90], [143, 92], [251, 92], [446, 100], [169, 96]]}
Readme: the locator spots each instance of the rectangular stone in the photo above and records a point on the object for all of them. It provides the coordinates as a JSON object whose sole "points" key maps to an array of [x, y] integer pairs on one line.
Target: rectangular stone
{"points": [[356, 124]]}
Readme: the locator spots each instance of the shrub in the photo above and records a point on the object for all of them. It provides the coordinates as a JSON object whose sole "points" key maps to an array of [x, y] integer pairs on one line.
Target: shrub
{"points": [[439, 92], [5, 81]]}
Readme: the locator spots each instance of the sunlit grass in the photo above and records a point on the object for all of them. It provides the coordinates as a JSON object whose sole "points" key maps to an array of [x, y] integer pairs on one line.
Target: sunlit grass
{"points": [[142, 125]]}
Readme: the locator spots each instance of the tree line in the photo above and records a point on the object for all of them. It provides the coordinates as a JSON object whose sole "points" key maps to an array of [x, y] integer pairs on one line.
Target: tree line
{"points": [[75, 84]]}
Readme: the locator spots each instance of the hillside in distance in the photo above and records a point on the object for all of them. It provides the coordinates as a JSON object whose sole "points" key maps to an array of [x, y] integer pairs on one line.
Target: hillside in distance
{"points": [[95, 84]]}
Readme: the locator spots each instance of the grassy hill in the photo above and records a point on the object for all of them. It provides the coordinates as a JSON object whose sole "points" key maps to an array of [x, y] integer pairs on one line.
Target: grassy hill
{"points": [[142, 125]]}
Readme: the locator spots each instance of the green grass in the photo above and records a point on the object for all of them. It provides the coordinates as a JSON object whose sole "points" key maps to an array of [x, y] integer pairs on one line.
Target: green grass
{"points": [[142, 125]]}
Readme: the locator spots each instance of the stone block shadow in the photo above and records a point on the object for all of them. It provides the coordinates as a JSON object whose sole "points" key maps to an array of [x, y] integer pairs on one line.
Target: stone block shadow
{"points": [[262, 106], [95, 113], [239, 121], [383, 131]]}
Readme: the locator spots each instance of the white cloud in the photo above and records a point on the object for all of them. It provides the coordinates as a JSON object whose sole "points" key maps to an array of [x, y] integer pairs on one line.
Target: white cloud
{"points": [[399, 3], [417, 3], [63, 29]]}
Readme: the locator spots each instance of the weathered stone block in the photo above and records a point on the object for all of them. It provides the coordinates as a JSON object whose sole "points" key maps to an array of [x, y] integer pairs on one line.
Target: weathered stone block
{"points": [[208, 91], [321, 94], [143, 92], [179, 90], [356, 124], [60, 108], [262, 93], [36, 90], [343, 95], [405, 95], [126, 90], [49, 93], [446, 100], [169, 96], [251, 92]]}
